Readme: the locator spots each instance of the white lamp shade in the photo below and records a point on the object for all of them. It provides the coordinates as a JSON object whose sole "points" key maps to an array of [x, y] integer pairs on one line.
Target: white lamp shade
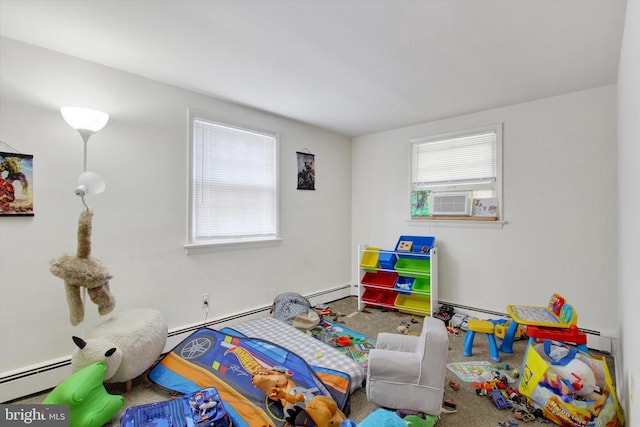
{"points": [[84, 118], [90, 183]]}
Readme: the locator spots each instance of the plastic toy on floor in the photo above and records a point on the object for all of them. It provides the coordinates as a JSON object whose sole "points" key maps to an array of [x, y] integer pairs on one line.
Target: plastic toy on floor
{"points": [[386, 418], [89, 402]]}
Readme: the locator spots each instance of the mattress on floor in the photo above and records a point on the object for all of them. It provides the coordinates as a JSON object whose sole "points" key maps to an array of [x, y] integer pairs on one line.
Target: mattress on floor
{"points": [[227, 361], [313, 351]]}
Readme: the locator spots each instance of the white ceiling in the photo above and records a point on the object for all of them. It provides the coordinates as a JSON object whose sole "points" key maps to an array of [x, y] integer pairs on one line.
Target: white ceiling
{"points": [[352, 66]]}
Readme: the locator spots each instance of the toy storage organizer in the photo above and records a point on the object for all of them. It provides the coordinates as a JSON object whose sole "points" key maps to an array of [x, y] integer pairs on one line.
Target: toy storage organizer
{"points": [[404, 278]]}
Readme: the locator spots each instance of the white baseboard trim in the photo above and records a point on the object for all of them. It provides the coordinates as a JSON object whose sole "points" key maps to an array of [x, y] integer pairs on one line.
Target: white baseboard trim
{"points": [[44, 376]]}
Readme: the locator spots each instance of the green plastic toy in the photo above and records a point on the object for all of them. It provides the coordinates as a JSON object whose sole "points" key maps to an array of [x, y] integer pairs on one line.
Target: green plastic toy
{"points": [[89, 402], [416, 421]]}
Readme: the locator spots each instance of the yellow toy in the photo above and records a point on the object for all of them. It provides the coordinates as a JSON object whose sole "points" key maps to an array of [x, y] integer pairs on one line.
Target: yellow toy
{"points": [[501, 330]]}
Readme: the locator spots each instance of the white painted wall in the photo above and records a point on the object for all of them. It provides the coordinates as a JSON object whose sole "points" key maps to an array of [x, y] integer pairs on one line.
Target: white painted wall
{"points": [[558, 237], [629, 217], [140, 222], [560, 205]]}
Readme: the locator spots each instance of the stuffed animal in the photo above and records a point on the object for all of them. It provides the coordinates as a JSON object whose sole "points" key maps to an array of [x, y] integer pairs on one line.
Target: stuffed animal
{"points": [[278, 385], [298, 404], [322, 410], [403, 328], [128, 343], [82, 270]]}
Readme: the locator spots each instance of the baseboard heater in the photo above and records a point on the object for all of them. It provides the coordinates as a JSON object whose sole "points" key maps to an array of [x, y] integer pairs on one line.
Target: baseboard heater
{"points": [[597, 341], [37, 378]]}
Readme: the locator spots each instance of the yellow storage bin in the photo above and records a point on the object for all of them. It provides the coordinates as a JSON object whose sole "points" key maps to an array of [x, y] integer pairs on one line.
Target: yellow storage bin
{"points": [[370, 258], [413, 304]]}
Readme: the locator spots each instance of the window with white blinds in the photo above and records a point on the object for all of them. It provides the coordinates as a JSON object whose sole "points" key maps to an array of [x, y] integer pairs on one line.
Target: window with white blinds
{"points": [[467, 164], [234, 194]]}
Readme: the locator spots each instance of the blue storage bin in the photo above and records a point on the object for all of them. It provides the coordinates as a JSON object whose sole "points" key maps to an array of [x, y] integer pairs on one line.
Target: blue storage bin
{"points": [[419, 245], [404, 285], [387, 260]]}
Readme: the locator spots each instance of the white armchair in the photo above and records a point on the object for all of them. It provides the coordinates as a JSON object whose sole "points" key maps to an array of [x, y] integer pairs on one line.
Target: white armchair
{"points": [[407, 372]]}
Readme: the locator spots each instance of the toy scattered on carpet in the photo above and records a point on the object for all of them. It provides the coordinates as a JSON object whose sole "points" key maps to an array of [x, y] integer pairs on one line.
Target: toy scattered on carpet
{"points": [[444, 313], [82, 270], [323, 309], [505, 397], [457, 319], [90, 405], [403, 328], [128, 344]]}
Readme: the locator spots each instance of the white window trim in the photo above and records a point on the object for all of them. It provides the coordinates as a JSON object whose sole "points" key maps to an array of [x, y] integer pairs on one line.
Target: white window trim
{"points": [[192, 247], [467, 222]]}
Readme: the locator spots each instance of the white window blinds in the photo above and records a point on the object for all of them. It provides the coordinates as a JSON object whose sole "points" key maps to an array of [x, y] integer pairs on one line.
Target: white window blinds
{"points": [[234, 188], [456, 160]]}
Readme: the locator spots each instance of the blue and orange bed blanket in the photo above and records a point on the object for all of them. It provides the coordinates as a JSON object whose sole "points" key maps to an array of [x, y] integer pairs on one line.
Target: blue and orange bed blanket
{"points": [[226, 361]]}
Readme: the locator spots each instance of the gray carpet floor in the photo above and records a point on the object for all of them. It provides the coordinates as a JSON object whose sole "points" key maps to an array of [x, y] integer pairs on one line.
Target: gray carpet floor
{"points": [[472, 410]]}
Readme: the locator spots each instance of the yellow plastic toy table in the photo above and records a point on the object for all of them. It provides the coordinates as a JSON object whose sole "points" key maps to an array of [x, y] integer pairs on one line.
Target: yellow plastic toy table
{"points": [[536, 316]]}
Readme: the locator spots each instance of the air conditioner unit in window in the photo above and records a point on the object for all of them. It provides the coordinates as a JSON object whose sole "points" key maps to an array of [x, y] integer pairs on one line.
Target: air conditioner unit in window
{"points": [[457, 203]]}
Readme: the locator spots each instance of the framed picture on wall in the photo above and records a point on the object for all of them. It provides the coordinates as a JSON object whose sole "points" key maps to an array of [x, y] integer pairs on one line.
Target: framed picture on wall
{"points": [[306, 171], [16, 184]]}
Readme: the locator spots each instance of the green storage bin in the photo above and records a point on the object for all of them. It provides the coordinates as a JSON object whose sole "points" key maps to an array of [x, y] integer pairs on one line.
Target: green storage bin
{"points": [[422, 286], [410, 267]]}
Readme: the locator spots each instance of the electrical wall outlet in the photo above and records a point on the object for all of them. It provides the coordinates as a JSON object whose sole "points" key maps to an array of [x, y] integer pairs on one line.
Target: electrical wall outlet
{"points": [[204, 301]]}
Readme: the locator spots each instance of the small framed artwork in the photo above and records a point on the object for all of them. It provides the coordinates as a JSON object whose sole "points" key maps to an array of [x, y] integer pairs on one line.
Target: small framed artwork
{"points": [[16, 184], [487, 207], [306, 171]]}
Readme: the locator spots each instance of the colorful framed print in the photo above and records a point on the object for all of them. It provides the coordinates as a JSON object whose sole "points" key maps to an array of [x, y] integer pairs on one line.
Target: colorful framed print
{"points": [[16, 184]]}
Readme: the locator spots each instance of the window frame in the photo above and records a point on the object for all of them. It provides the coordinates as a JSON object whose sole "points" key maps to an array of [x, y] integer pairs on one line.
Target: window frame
{"points": [[194, 245], [498, 186]]}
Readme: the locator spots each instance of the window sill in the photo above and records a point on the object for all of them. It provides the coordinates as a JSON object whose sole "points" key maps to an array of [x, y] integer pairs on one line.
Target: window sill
{"points": [[199, 248], [459, 222]]}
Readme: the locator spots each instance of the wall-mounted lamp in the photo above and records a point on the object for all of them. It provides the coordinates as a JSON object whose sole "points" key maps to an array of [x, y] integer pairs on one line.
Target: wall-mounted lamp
{"points": [[87, 122]]}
